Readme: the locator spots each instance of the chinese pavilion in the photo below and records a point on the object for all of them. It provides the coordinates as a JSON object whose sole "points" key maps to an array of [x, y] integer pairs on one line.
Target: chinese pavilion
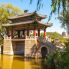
{"points": [[18, 38]]}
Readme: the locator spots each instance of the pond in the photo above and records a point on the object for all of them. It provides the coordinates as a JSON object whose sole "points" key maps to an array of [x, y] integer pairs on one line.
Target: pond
{"points": [[18, 62]]}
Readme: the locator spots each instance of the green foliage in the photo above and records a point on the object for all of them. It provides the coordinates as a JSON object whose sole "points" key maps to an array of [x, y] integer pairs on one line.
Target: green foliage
{"points": [[7, 10], [55, 4], [54, 35], [59, 59], [39, 4], [64, 19]]}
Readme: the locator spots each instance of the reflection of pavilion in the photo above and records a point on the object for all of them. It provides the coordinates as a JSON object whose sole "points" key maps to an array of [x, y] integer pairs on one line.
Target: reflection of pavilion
{"points": [[17, 62], [18, 39], [7, 62], [0, 61]]}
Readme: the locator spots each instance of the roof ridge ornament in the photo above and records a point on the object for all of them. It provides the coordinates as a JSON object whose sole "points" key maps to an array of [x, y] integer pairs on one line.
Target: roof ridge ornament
{"points": [[25, 11]]}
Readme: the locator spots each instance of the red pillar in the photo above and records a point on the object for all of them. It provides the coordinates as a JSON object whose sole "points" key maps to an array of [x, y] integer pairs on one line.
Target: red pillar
{"points": [[44, 33], [38, 32], [34, 32]]}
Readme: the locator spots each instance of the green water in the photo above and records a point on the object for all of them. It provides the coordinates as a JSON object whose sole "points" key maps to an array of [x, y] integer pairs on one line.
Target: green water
{"points": [[18, 62]]}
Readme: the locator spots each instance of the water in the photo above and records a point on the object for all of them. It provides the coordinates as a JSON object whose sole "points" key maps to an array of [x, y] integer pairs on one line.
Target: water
{"points": [[18, 62]]}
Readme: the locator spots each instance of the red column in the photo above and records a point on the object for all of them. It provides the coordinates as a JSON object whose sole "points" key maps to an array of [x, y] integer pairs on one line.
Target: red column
{"points": [[34, 32], [44, 33], [38, 32]]}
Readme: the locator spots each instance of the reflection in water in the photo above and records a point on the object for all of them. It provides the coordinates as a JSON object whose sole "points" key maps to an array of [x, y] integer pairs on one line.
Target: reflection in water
{"points": [[0, 61], [27, 65], [7, 62], [44, 64], [18, 62]]}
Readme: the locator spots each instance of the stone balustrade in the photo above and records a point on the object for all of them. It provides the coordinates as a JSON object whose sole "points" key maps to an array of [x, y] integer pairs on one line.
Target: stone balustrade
{"points": [[6, 37], [30, 37]]}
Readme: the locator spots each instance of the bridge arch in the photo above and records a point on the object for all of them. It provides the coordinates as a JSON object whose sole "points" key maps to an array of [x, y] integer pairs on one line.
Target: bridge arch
{"points": [[44, 51]]}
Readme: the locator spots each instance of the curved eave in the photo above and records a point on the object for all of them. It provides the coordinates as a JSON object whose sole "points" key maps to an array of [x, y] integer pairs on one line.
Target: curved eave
{"points": [[14, 24], [39, 15], [19, 16], [46, 25], [27, 23], [27, 14]]}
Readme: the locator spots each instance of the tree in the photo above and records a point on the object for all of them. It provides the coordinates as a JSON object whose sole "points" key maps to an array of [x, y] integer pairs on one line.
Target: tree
{"points": [[64, 19], [60, 59], [56, 6], [7, 10]]}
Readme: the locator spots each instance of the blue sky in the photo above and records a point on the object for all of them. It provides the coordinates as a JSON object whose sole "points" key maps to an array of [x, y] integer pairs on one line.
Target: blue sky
{"points": [[45, 10]]}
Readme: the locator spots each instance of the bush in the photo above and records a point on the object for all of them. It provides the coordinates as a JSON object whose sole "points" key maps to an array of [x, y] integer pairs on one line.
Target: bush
{"points": [[60, 60]]}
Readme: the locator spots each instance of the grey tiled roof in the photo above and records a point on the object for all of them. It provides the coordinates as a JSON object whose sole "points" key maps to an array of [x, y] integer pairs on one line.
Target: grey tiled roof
{"points": [[27, 22], [27, 14]]}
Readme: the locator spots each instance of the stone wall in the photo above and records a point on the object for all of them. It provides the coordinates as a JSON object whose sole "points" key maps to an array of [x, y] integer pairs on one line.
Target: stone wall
{"points": [[0, 49], [29, 47], [7, 46]]}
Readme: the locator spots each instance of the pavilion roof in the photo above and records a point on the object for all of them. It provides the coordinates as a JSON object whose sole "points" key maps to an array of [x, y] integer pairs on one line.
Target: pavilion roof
{"points": [[21, 22], [28, 24], [26, 15]]}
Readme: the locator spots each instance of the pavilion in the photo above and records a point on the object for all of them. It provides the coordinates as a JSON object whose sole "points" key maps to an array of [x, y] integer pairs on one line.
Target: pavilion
{"points": [[18, 39]]}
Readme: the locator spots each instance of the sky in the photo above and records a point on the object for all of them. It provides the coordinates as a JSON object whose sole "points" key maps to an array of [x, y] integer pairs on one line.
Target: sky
{"points": [[45, 10]]}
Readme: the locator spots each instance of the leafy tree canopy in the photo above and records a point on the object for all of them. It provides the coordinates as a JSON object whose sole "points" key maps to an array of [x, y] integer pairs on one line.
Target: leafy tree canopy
{"points": [[7, 10], [64, 20], [56, 6]]}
